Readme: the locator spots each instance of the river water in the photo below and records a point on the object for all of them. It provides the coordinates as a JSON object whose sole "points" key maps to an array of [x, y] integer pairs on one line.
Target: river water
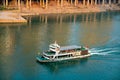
{"points": [[20, 43]]}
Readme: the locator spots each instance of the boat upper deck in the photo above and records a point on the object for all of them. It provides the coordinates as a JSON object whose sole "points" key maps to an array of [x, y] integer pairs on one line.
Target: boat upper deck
{"points": [[70, 47], [65, 50]]}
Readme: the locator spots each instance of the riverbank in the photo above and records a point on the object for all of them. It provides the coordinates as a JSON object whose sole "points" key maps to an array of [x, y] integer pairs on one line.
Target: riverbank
{"points": [[68, 9], [15, 16], [60, 10], [10, 17]]}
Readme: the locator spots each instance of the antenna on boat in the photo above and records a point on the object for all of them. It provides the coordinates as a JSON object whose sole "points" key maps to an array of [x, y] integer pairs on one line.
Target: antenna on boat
{"points": [[55, 42]]}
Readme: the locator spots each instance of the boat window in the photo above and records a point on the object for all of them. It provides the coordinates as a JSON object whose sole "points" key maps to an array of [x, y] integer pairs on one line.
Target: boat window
{"points": [[63, 56], [50, 52], [67, 51], [52, 47], [45, 56], [78, 49], [48, 56]]}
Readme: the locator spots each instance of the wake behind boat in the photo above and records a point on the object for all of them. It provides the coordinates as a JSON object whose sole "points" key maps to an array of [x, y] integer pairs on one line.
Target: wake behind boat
{"points": [[57, 53]]}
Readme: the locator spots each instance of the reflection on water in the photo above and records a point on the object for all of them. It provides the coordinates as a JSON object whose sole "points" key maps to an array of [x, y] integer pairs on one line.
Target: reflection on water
{"points": [[63, 18], [7, 41], [87, 29], [19, 43]]}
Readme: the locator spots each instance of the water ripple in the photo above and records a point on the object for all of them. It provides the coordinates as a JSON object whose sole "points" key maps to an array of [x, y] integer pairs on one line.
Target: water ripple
{"points": [[105, 51]]}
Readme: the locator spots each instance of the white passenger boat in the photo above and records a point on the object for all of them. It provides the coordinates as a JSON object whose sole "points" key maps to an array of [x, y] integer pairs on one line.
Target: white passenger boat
{"points": [[57, 53]]}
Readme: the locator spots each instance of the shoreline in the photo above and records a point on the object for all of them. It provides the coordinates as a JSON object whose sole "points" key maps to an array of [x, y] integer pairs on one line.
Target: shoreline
{"points": [[59, 10], [69, 9], [11, 17], [16, 16]]}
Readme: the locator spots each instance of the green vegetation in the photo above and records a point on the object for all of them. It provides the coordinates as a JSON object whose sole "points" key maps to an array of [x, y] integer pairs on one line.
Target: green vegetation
{"points": [[8, 8], [2, 8]]}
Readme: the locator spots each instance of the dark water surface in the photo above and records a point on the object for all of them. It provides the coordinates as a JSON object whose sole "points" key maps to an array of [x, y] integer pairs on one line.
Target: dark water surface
{"points": [[20, 43]]}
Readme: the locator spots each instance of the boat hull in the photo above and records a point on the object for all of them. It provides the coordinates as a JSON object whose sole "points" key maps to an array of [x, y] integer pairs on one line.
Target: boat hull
{"points": [[58, 60]]}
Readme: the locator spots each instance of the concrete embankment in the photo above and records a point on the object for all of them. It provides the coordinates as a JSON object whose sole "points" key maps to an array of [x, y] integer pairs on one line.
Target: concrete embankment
{"points": [[10, 17]]}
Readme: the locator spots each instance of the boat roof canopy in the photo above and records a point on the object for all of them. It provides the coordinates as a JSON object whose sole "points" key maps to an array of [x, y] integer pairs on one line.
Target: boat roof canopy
{"points": [[70, 47]]}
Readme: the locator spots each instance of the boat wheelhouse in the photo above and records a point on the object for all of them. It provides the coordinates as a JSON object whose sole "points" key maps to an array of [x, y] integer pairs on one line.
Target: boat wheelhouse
{"points": [[57, 53]]}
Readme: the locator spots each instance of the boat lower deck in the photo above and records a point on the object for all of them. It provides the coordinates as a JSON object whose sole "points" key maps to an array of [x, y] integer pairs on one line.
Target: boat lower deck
{"points": [[40, 59]]}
